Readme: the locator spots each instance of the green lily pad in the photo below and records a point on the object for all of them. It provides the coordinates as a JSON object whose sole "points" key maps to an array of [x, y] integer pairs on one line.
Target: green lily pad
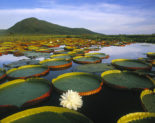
{"points": [[27, 71], [77, 81], [32, 54], [131, 64], [47, 114], [20, 91], [138, 117], [65, 56], [2, 73], [21, 63], [148, 100], [57, 63], [86, 59], [100, 55], [126, 80], [151, 55], [100, 67]]}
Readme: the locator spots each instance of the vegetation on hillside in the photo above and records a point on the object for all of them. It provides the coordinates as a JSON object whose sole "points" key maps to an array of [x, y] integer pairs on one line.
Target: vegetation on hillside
{"points": [[126, 38], [33, 29], [35, 26], [129, 38]]}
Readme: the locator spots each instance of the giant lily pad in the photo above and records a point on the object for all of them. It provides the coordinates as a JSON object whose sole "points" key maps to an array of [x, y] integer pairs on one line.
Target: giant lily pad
{"points": [[138, 117], [126, 80], [60, 52], [148, 60], [86, 59], [47, 114], [151, 54], [69, 48], [84, 83], [131, 64], [21, 63], [79, 52], [21, 92], [27, 71], [100, 55], [146, 72], [153, 62], [2, 73], [100, 67], [65, 56], [94, 48], [44, 50], [57, 63], [74, 53], [148, 100], [32, 54]]}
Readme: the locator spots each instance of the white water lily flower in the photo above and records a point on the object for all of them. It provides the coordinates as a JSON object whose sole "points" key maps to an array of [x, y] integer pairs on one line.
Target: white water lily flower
{"points": [[71, 100]]}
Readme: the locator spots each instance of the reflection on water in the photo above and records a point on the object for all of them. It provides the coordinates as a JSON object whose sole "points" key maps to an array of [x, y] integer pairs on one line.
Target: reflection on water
{"points": [[110, 103], [132, 51], [6, 59], [129, 51]]}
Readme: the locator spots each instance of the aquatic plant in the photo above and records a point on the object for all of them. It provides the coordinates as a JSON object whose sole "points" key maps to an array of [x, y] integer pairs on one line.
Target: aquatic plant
{"points": [[71, 100]]}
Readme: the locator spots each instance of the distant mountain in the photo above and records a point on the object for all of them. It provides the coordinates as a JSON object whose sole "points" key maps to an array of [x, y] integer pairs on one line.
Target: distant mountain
{"points": [[36, 26]]}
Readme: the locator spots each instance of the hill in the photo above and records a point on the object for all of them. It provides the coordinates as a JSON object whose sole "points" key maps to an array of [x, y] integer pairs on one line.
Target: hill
{"points": [[36, 26]]}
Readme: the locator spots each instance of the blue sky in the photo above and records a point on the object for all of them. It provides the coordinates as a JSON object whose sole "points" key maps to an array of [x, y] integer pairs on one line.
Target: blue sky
{"points": [[103, 16]]}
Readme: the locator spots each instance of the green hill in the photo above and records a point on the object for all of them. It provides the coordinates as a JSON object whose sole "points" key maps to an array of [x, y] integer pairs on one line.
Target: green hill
{"points": [[36, 26]]}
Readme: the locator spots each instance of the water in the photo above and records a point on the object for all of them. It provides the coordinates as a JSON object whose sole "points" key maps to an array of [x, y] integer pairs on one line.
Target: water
{"points": [[108, 105], [6, 59], [132, 51]]}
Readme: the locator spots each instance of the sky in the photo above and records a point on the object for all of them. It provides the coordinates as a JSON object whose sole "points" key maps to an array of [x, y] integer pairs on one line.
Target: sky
{"points": [[102, 16]]}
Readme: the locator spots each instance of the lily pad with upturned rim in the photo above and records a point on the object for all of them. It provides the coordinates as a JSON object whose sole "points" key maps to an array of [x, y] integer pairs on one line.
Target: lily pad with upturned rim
{"points": [[148, 60], [138, 117], [2, 74], [151, 54], [47, 114], [100, 67], [28, 71], [22, 62], [33, 54], [57, 63], [60, 52], [148, 100], [86, 59], [65, 56], [73, 53], [145, 73], [131, 64], [84, 83], [126, 80], [24, 92], [100, 55], [69, 48], [153, 62]]}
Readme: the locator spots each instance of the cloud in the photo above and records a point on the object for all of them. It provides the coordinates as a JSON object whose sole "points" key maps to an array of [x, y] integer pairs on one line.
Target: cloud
{"points": [[104, 18]]}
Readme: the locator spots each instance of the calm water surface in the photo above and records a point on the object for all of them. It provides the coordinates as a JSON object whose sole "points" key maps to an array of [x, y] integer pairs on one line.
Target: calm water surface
{"points": [[109, 104]]}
